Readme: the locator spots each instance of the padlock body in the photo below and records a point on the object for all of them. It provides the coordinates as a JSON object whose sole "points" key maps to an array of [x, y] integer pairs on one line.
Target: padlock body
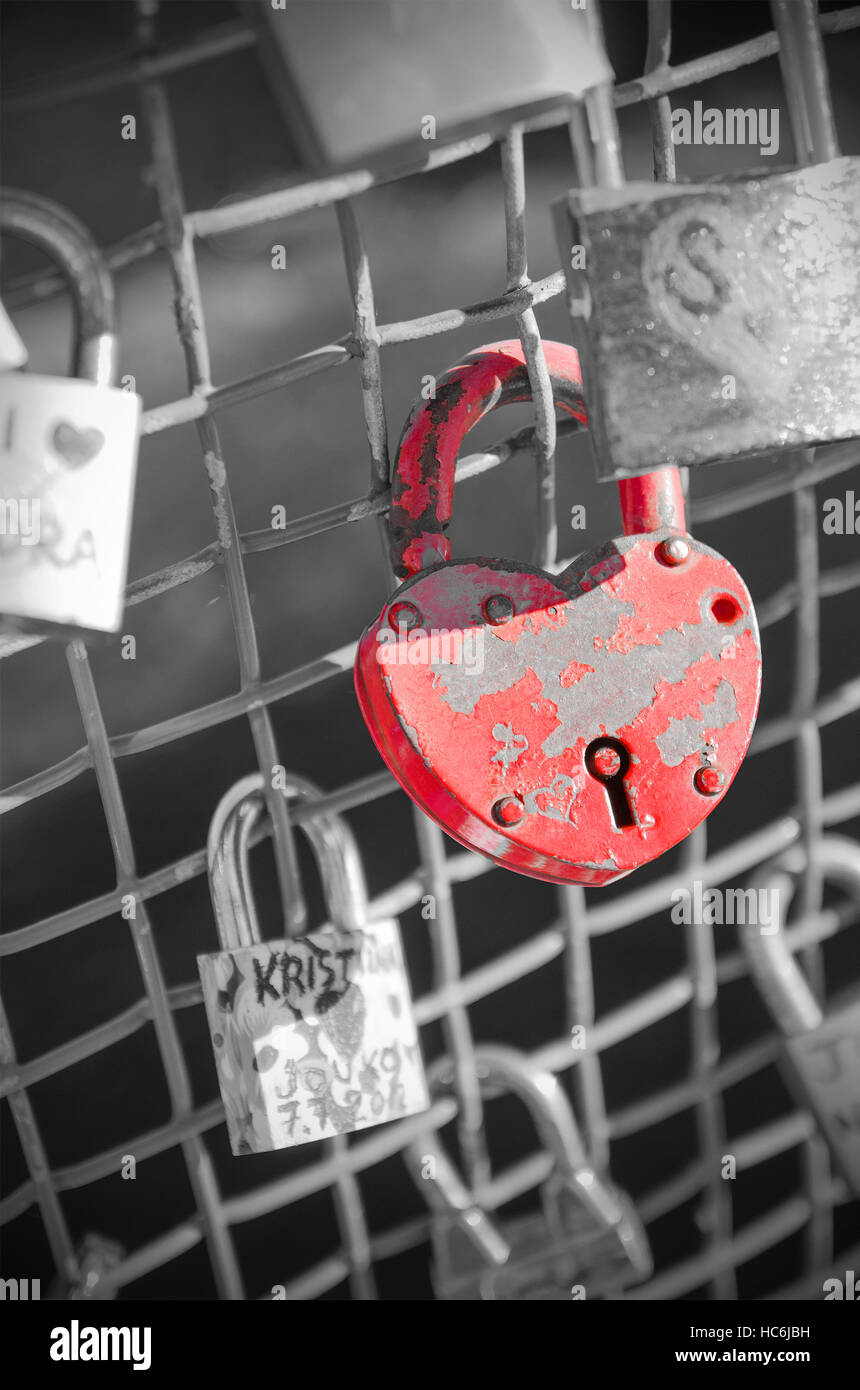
{"points": [[490, 726], [825, 1070], [716, 320], [68, 457], [546, 1265], [313, 1036]]}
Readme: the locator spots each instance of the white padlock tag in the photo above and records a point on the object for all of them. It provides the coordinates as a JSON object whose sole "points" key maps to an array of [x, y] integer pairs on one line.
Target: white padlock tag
{"points": [[68, 457], [313, 1036]]}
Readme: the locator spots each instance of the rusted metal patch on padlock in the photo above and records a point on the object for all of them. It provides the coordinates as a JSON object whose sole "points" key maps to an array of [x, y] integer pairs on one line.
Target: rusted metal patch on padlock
{"points": [[716, 320], [591, 730], [423, 485], [569, 727], [313, 1036]]}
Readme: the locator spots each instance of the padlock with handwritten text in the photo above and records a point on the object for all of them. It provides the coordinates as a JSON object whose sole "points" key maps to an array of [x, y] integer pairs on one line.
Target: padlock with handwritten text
{"points": [[573, 726], [313, 1035], [716, 320], [586, 1242], [822, 1048], [68, 452]]}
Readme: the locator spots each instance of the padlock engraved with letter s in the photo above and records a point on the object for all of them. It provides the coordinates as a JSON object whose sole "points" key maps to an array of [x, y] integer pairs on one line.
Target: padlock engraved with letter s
{"points": [[716, 320], [68, 452], [571, 727], [313, 1035]]}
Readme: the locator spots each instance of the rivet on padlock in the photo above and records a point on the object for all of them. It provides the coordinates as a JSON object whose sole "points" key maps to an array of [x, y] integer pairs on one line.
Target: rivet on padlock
{"points": [[571, 727], [68, 452], [822, 1050], [588, 1235], [314, 1035]]}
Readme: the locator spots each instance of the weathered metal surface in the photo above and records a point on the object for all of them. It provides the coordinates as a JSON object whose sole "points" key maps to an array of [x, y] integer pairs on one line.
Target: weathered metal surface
{"points": [[313, 1035], [466, 712], [422, 494], [490, 687], [423, 483], [716, 320]]}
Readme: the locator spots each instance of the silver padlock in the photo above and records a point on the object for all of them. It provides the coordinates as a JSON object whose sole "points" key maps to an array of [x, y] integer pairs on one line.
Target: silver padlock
{"points": [[588, 1240], [68, 453], [822, 1049], [715, 320], [313, 1035]]}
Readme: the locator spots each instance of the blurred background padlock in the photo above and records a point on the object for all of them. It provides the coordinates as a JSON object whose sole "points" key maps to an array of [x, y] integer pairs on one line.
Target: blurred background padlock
{"points": [[822, 1042], [587, 1241]]}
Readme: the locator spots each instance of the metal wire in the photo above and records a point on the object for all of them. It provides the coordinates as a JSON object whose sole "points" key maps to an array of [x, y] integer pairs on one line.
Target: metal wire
{"points": [[569, 940]]}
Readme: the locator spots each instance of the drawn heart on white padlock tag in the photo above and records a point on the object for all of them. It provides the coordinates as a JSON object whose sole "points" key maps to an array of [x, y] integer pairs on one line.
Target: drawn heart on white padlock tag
{"points": [[77, 446]]}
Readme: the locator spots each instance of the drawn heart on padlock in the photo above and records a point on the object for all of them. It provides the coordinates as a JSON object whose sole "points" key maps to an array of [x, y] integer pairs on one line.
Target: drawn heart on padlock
{"points": [[77, 446], [342, 1015], [570, 727]]}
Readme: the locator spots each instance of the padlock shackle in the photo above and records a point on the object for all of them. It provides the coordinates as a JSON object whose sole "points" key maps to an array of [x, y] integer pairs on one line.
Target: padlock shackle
{"points": [[780, 980], [57, 232], [235, 819], [540, 1090], [422, 492]]}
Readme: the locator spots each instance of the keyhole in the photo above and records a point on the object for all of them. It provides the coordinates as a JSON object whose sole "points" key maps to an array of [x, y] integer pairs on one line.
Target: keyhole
{"points": [[607, 761]]}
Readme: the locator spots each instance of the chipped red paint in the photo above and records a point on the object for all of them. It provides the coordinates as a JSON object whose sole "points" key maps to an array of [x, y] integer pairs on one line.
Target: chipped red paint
{"points": [[423, 483], [664, 659]]}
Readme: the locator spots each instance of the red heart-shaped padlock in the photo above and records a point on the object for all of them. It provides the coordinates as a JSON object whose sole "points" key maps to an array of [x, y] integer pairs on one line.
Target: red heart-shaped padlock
{"points": [[571, 727]]}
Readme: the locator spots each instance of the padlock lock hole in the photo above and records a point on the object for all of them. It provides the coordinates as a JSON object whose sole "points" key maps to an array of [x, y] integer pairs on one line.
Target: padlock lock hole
{"points": [[616, 759]]}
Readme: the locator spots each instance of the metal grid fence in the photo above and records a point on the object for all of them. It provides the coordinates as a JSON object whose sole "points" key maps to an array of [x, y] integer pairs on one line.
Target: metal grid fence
{"points": [[568, 940]]}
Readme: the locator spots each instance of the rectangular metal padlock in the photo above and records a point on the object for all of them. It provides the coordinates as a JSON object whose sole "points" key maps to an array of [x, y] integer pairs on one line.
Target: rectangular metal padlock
{"points": [[68, 453], [67, 468], [547, 1264], [365, 79], [587, 1241], [314, 1035], [716, 320]]}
